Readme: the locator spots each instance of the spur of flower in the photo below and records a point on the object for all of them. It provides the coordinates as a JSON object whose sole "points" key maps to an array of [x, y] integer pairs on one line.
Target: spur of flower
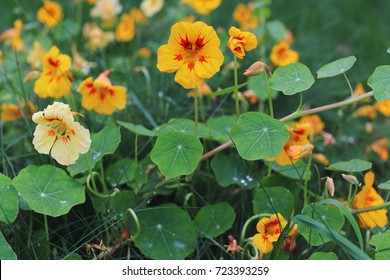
{"points": [[58, 134], [54, 80], [269, 230], [282, 54], [50, 14], [101, 96], [368, 197], [241, 41], [192, 52]]}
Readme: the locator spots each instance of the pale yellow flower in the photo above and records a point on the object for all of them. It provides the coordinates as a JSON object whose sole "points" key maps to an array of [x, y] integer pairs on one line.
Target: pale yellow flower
{"points": [[106, 9], [36, 55], [151, 7]]}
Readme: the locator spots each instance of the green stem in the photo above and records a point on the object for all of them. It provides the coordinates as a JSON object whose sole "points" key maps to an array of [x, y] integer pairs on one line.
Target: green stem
{"points": [[137, 223], [196, 115], [372, 208], [271, 108], [307, 177], [47, 234], [251, 219], [102, 180], [300, 102], [236, 86], [90, 173], [349, 84]]}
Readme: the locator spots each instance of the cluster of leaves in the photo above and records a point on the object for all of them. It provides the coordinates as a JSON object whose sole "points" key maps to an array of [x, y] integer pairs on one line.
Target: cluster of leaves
{"points": [[147, 187]]}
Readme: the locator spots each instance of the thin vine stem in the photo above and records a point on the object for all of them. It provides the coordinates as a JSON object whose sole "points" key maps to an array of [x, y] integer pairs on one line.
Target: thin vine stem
{"points": [[235, 65]]}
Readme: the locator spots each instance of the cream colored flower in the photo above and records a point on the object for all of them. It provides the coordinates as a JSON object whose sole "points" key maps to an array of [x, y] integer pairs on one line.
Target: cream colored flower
{"points": [[106, 9], [57, 133], [151, 7]]}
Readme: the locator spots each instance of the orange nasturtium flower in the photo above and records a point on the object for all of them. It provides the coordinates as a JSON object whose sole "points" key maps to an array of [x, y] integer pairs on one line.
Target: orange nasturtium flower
{"points": [[380, 147], [54, 80], [243, 14], [269, 231], [193, 51], [100, 95], [125, 30], [241, 41], [203, 7], [13, 35], [57, 133], [368, 197], [383, 107], [365, 111], [50, 14], [281, 54], [11, 112], [359, 90]]}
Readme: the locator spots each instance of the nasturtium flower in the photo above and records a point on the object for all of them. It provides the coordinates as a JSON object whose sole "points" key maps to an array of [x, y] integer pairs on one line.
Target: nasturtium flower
{"points": [[290, 241], [1, 58], [54, 80], [193, 51], [50, 14], [251, 96], [101, 96], [36, 55], [97, 38], [243, 14], [203, 89], [316, 124], [11, 112], [368, 197], [321, 159], [241, 41], [383, 107], [359, 90], [125, 30], [380, 147], [79, 63], [365, 111], [13, 36], [269, 231], [106, 10], [297, 145], [138, 16], [57, 133], [151, 7], [203, 7], [282, 54], [144, 52]]}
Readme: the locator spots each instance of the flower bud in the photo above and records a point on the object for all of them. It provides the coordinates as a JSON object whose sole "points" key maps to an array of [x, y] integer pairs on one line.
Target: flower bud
{"points": [[330, 185], [351, 179], [256, 68]]}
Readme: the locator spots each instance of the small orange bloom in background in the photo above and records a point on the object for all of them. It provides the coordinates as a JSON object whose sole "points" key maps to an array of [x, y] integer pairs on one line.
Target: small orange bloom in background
{"points": [[125, 30], [316, 124], [383, 107], [359, 90], [97, 38], [11, 112], [106, 10], [381, 147], [282, 54], [91, 2], [80, 63], [151, 7], [190, 19], [241, 41], [203, 89], [368, 197], [297, 145], [203, 7], [289, 37], [13, 35], [54, 80], [290, 241], [243, 14], [144, 52], [233, 246], [193, 51], [251, 96], [365, 111], [1, 58], [138, 16], [321, 159], [57, 133], [101, 96], [36, 55], [269, 231], [50, 14]]}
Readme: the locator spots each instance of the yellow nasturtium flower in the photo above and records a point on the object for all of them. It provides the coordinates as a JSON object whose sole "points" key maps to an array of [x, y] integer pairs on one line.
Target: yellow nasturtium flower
{"points": [[282, 54], [101, 96], [36, 55], [57, 133], [243, 14], [50, 14], [11, 112], [193, 51], [13, 35], [203, 7], [380, 147], [54, 80], [125, 30], [368, 197], [241, 41], [269, 231]]}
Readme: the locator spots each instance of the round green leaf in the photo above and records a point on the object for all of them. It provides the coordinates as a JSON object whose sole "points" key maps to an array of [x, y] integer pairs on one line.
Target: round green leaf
{"points": [[104, 142], [336, 67], [274, 199], [9, 203], [382, 245], [292, 78], [48, 189], [277, 29], [353, 165], [176, 154], [6, 252], [327, 215], [220, 126], [213, 220], [379, 81], [121, 172], [185, 126], [258, 136], [233, 170], [167, 233], [321, 256], [259, 85]]}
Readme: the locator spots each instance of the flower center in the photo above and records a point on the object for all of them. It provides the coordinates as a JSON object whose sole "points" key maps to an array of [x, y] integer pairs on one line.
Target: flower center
{"points": [[60, 129]]}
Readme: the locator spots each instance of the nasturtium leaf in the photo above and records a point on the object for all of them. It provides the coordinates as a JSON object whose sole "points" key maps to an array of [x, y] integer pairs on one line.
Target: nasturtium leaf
{"points": [[121, 201], [384, 186], [121, 172], [103, 143], [167, 233], [213, 220], [185, 126], [294, 171], [176, 153], [6, 252], [327, 215], [138, 129], [258, 136], [233, 170], [9, 203], [273, 200], [382, 245], [259, 85], [277, 29], [353, 165], [48, 189], [322, 256], [220, 126], [336, 67], [292, 78], [379, 81]]}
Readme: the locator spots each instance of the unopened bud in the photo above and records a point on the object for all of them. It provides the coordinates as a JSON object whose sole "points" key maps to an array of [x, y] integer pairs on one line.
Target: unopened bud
{"points": [[330, 185], [256, 68], [351, 179]]}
